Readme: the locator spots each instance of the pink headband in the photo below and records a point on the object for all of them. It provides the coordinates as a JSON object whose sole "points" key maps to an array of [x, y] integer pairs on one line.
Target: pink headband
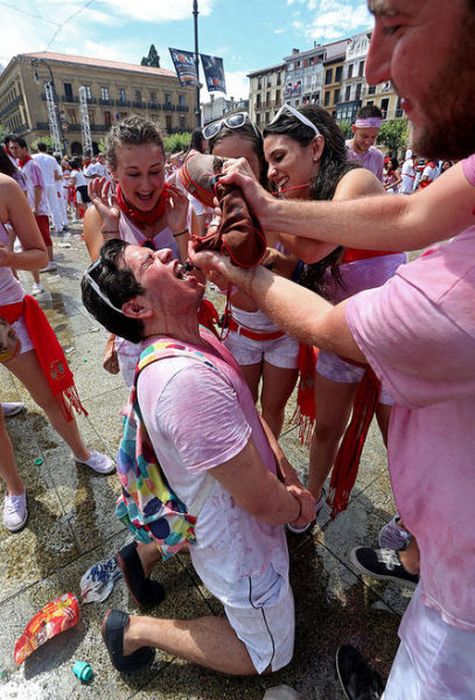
{"points": [[368, 123]]}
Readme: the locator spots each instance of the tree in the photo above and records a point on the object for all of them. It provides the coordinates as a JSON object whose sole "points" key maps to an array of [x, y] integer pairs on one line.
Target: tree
{"points": [[174, 143], [394, 134], [153, 59]]}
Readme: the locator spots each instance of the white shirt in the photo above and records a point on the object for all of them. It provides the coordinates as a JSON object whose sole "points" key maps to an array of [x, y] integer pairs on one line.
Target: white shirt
{"points": [[49, 167]]}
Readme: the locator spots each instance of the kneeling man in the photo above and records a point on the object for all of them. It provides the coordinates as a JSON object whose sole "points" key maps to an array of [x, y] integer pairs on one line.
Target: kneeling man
{"points": [[207, 435]]}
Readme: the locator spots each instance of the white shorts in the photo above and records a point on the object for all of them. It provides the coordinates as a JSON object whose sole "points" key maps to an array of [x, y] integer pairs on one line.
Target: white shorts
{"points": [[332, 367], [20, 329], [281, 352], [435, 660], [266, 628]]}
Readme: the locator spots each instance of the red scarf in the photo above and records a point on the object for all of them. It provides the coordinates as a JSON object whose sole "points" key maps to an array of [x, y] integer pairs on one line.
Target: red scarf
{"points": [[143, 217], [49, 352], [23, 161], [305, 411]]}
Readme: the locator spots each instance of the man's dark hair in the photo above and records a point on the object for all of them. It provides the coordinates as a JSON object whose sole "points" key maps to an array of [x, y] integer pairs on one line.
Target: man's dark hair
{"points": [[119, 285], [21, 142], [369, 111], [8, 138], [41, 147]]}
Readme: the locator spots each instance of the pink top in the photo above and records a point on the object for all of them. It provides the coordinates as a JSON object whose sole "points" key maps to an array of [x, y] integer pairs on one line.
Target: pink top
{"points": [[371, 160], [163, 239], [418, 333], [35, 179], [11, 290]]}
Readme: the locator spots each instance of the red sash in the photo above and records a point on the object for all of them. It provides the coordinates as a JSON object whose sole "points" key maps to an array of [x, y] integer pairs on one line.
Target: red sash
{"points": [[353, 254], [49, 352]]}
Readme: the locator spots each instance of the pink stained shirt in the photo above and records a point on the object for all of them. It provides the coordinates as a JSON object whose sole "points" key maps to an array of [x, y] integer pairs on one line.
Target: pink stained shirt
{"points": [[35, 179], [418, 334], [371, 160]]}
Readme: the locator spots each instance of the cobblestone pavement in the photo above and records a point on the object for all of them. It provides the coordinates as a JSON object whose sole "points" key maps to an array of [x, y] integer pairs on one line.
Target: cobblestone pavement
{"points": [[72, 526]]}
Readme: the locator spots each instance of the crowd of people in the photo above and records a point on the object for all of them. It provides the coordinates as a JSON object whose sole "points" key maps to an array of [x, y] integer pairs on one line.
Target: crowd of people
{"points": [[333, 301]]}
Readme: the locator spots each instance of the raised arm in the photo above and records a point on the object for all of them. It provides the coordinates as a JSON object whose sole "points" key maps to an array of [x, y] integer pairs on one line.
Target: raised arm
{"points": [[396, 222]]}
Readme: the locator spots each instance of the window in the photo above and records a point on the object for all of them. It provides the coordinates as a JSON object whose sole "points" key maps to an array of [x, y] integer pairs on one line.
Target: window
{"points": [[259, 83], [258, 102], [182, 122], [122, 96], [336, 96], [168, 98], [326, 99], [168, 121], [371, 89], [279, 79], [104, 93], [72, 116], [338, 74], [88, 91], [267, 99], [277, 97], [153, 98], [350, 70], [358, 91], [181, 100], [385, 107], [328, 76], [258, 119], [68, 92], [107, 118], [347, 93], [138, 96], [361, 69]]}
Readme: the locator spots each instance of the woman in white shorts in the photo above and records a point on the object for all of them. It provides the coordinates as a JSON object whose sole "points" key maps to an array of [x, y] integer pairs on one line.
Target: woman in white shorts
{"points": [[306, 154], [22, 359], [261, 349]]}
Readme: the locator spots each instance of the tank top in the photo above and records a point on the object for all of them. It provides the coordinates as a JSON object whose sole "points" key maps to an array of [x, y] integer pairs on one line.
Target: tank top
{"points": [[11, 290], [163, 239]]}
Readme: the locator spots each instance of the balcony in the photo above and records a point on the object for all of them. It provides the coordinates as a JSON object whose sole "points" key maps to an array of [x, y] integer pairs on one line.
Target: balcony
{"points": [[11, 105], [69, 98], [154, 105], [123, 103], [168, 106], [139, 105], [182, 108], [105, 101]]}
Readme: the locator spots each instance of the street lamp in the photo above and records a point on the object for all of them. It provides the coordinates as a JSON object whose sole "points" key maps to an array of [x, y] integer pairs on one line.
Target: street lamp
{"points": [[197, 63]]}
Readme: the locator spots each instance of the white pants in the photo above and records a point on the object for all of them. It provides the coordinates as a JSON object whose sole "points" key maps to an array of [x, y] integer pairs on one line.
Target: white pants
{"points": [[435, 660], [54, 206]]}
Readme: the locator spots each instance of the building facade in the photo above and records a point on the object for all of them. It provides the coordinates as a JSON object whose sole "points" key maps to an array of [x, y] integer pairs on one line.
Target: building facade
{"points": [[353, 77], [113, 89], [219, 107], [266, 93], [304, 75], [333, 65]]}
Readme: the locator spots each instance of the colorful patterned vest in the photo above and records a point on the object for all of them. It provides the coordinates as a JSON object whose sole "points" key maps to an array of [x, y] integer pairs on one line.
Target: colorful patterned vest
{"points": [[148, 506]]}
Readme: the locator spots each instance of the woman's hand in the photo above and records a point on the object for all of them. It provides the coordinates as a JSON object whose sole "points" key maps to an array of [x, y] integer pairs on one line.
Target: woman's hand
{"points": [[111, 361], [105, 203], [6, 256], [281, 264], [177, 209]]}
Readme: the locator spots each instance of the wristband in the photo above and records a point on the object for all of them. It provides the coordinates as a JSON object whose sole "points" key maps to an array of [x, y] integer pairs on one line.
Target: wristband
{"points": [[110, 230], [181, 233]]}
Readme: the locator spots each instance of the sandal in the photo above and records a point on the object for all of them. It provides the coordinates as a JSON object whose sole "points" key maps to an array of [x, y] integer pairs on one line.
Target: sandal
{"points": [[143, 590], [112, 629]]}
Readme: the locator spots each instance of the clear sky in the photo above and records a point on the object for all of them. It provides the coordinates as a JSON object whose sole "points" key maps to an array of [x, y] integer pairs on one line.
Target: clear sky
{"points": [[247, 34]]}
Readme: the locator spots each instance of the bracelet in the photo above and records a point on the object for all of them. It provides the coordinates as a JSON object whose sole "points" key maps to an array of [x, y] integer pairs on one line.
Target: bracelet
{"points": [[181, 233], [110, 230]]}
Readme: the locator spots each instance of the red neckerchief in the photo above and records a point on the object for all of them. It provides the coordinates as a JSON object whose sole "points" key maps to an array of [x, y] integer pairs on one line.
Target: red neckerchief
{"points": [[23, 161], [143, 217], [48, 351]]}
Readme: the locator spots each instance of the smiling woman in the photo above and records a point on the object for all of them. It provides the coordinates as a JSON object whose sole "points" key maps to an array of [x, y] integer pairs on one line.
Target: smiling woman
{"points": [[143, 210]]}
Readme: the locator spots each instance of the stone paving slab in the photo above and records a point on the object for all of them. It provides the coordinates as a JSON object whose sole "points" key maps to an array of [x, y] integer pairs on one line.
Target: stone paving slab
{"points": [[72, 526]]}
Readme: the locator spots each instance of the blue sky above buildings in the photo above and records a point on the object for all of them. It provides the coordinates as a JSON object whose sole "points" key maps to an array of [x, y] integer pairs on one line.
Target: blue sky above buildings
{"points": [[248, 34]]}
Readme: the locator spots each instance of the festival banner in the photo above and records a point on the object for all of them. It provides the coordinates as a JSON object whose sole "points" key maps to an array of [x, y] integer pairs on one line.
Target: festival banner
{"points": [[184, 62], [214, 73]]}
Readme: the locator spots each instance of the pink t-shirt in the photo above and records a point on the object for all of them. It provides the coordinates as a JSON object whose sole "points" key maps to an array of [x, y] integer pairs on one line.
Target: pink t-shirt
{"points": [[418, 334], [198, 418], [371, 160], [35, 179]]}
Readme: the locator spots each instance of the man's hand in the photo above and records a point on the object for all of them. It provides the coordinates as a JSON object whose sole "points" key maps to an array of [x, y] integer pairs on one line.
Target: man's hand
{"points": [[177, 209], [239, 172], [307, 505], [111, 360]]}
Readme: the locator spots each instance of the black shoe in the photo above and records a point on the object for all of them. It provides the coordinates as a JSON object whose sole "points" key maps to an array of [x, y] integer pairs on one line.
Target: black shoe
{"points": [[112, 629], [382, 564], [143, 590], [358, 680]]}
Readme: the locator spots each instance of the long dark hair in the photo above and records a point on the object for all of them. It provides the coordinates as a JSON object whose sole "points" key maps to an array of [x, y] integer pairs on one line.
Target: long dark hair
{"points": [[333, 166], [6, 165]]}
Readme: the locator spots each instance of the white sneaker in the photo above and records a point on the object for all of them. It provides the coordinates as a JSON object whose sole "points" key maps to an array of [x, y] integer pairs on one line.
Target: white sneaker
{"points": [[100, 463], [50, 267], [12, 408], [15, 512], [37, 288]]}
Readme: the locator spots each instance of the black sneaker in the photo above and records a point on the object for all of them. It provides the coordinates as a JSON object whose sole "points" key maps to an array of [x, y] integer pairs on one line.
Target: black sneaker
{"points": [[358, 680], [382, 564]]}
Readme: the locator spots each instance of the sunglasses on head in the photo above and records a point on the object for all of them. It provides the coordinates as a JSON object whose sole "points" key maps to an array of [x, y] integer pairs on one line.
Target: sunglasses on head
{"points": [[87, 276], [298, 115], [233, 121]]}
